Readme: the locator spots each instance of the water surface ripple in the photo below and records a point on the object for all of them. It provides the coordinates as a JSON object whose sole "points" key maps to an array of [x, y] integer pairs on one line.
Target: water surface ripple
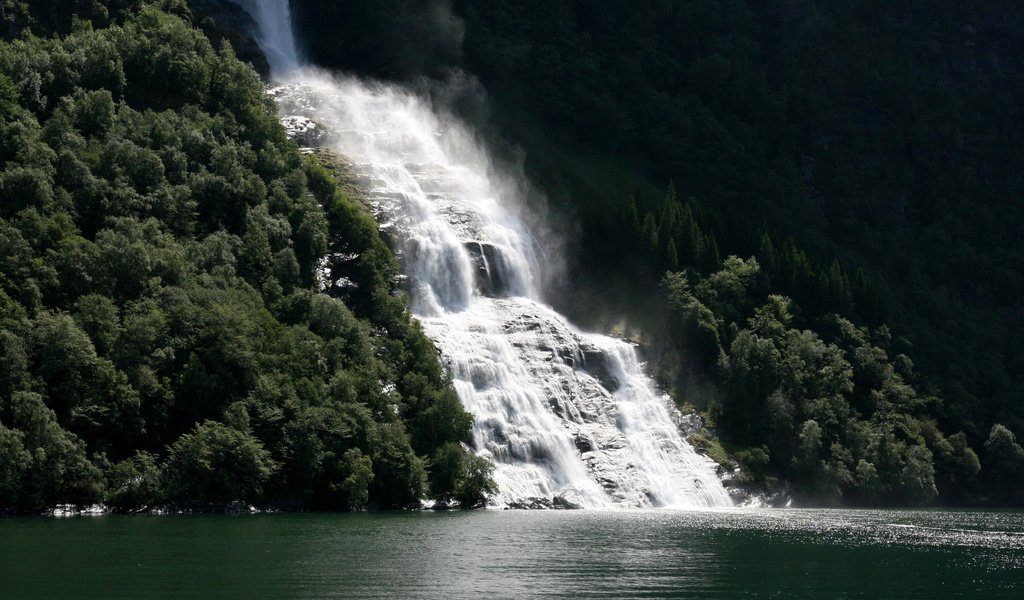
{"points": [[733, 553]]}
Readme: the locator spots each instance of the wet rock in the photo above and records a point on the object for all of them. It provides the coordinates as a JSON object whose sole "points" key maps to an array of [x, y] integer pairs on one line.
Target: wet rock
{"points": [[690, 424], [556, 407], [489, 280], [772, 493], [558, 502], [306, 132], [497, 432], [583, 444], [529, 504], [595, 363], [567, 354], [535, 503]]}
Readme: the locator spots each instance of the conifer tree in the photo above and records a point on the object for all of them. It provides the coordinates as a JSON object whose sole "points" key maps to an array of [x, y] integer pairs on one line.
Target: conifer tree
{"points": [[649, 236], [671, 256], [766, 252]]}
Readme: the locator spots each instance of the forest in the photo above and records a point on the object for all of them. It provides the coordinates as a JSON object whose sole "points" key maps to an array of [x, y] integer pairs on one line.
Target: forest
{"points": [[860, 157], [808, 213], [164, 338]]}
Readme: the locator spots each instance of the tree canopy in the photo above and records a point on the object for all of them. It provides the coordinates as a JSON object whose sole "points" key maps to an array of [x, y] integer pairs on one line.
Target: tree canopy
{"points": [[164, 331]]}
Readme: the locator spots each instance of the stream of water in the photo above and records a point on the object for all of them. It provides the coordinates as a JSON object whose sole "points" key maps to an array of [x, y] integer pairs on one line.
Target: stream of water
{"points": [[567, 416]]}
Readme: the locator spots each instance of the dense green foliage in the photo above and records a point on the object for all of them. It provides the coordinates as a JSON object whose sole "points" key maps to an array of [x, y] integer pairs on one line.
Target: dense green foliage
{"points": [[866, 152], [162, 338], [833, 408]]}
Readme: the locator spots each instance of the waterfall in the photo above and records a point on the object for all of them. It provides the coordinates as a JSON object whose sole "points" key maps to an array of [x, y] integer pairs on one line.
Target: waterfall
{"points": [[567, 416], [275, 36]]}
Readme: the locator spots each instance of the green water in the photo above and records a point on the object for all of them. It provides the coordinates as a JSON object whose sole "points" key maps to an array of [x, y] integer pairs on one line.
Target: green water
{"points": [[519, 554]]}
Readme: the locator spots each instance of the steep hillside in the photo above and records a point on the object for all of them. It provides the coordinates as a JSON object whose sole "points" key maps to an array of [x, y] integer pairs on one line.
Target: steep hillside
{"points": [[864, 152], [162, 337]]}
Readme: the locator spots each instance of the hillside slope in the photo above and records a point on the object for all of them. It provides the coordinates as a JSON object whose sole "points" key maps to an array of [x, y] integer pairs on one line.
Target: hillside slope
{"points": [[866, 153], [162, 337]]}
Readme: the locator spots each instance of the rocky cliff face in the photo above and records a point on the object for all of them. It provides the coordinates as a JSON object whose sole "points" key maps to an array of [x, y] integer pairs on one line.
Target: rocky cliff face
{"points": [[223, 20]]}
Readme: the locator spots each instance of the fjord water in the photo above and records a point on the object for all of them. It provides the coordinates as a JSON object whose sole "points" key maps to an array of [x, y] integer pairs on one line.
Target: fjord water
{"points": [[566, 416], [734, 553]]}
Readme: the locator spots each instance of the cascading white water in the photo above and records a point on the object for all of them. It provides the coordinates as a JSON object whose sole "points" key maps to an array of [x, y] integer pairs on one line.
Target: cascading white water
{"points": [[565, 415], [275, 36]]}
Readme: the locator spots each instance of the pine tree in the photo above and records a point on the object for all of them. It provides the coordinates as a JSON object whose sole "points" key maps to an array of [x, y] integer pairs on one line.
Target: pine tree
{"points": [[865, 298], [627, 240], [649, 236], [671, 256], [689, 245], [632, 216], [766, 252], [840, 299], [711, 260]]}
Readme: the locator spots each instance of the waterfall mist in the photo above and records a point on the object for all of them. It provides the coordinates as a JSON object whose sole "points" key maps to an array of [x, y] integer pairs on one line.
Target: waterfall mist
{"points": [[566, 416]]}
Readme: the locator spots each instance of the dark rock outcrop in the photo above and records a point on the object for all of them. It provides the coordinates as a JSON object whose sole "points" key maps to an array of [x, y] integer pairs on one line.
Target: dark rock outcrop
{"points": [[486, 267], [556, 503], [595, 362], [224, 20]]}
